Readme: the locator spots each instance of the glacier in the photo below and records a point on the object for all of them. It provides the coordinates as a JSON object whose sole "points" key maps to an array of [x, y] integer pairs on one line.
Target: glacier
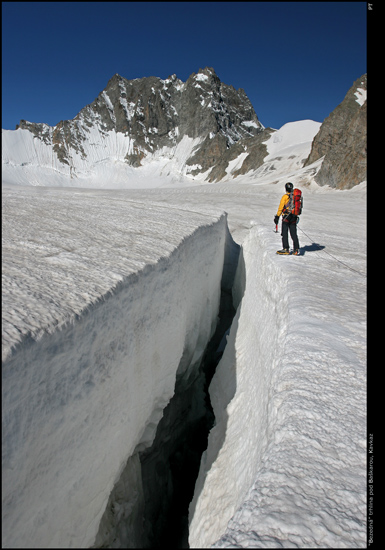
{"points": [[102, 285]]}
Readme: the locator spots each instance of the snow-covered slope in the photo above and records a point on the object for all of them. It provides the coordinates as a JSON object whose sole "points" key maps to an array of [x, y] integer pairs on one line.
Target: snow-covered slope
{"points": [[286, 150], [102, 167]]}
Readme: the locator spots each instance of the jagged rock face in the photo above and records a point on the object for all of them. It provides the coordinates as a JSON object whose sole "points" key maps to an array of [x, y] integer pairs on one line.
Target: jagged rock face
{"points": [[214, 152], [155, 113], [342, 140]]}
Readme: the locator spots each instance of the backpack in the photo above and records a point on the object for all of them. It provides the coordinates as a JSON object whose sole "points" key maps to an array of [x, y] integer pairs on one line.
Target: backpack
{"points": [[295, 204]]}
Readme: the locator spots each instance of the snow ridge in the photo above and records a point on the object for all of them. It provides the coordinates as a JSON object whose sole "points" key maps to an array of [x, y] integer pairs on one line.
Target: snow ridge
{"points": [[286, 402]]}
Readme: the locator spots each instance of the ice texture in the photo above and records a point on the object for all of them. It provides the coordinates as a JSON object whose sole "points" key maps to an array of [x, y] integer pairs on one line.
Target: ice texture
{"points": [[104, 301]]}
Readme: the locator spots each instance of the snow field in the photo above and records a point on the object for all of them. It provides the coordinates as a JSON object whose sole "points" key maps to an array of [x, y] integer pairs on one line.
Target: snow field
{"points": [[102, 321]]}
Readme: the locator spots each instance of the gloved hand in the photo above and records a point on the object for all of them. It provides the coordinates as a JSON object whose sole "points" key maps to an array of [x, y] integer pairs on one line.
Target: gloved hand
{"points": [[276, 220]]}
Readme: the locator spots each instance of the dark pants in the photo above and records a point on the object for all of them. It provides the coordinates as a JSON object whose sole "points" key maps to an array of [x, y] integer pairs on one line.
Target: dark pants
{"points": [[292, 225]]}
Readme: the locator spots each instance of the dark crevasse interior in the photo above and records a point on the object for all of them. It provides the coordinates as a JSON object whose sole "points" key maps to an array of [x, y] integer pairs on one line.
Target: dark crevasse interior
{"points": [[148, 507], [170, 466]]}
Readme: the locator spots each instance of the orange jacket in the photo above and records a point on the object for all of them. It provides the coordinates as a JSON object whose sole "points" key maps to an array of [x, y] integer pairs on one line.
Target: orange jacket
{"points": [[285, 199]]}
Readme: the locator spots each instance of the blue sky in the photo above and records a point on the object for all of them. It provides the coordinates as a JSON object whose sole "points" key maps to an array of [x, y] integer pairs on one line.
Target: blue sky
{"points": [[295, 60]]}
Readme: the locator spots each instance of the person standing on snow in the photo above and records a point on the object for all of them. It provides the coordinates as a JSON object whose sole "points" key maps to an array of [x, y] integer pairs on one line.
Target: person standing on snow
{"points": [[289, 221]]}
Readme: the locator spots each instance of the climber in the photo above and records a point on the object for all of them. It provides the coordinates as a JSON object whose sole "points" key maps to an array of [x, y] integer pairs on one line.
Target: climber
{"points": [[289, 221]]}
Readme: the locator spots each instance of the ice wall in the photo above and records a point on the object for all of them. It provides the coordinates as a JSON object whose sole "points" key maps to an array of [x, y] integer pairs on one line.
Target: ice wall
{"points": [[79, 399], [148, 506]]}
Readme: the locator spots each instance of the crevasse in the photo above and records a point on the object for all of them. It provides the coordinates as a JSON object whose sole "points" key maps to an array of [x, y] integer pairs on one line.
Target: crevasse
{"points": [[79, 402], [148, 506], [239, 393]]}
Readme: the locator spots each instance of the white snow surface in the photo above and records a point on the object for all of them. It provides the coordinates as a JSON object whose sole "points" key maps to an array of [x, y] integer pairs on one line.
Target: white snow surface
{"points": [[361, 95], [103, 293], [292, 134], [287, 149], [27, 160], [290, 395]]}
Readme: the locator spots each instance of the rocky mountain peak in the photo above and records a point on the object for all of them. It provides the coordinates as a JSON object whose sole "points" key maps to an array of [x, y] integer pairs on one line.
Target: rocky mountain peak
{"points": [[153, 113]]}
